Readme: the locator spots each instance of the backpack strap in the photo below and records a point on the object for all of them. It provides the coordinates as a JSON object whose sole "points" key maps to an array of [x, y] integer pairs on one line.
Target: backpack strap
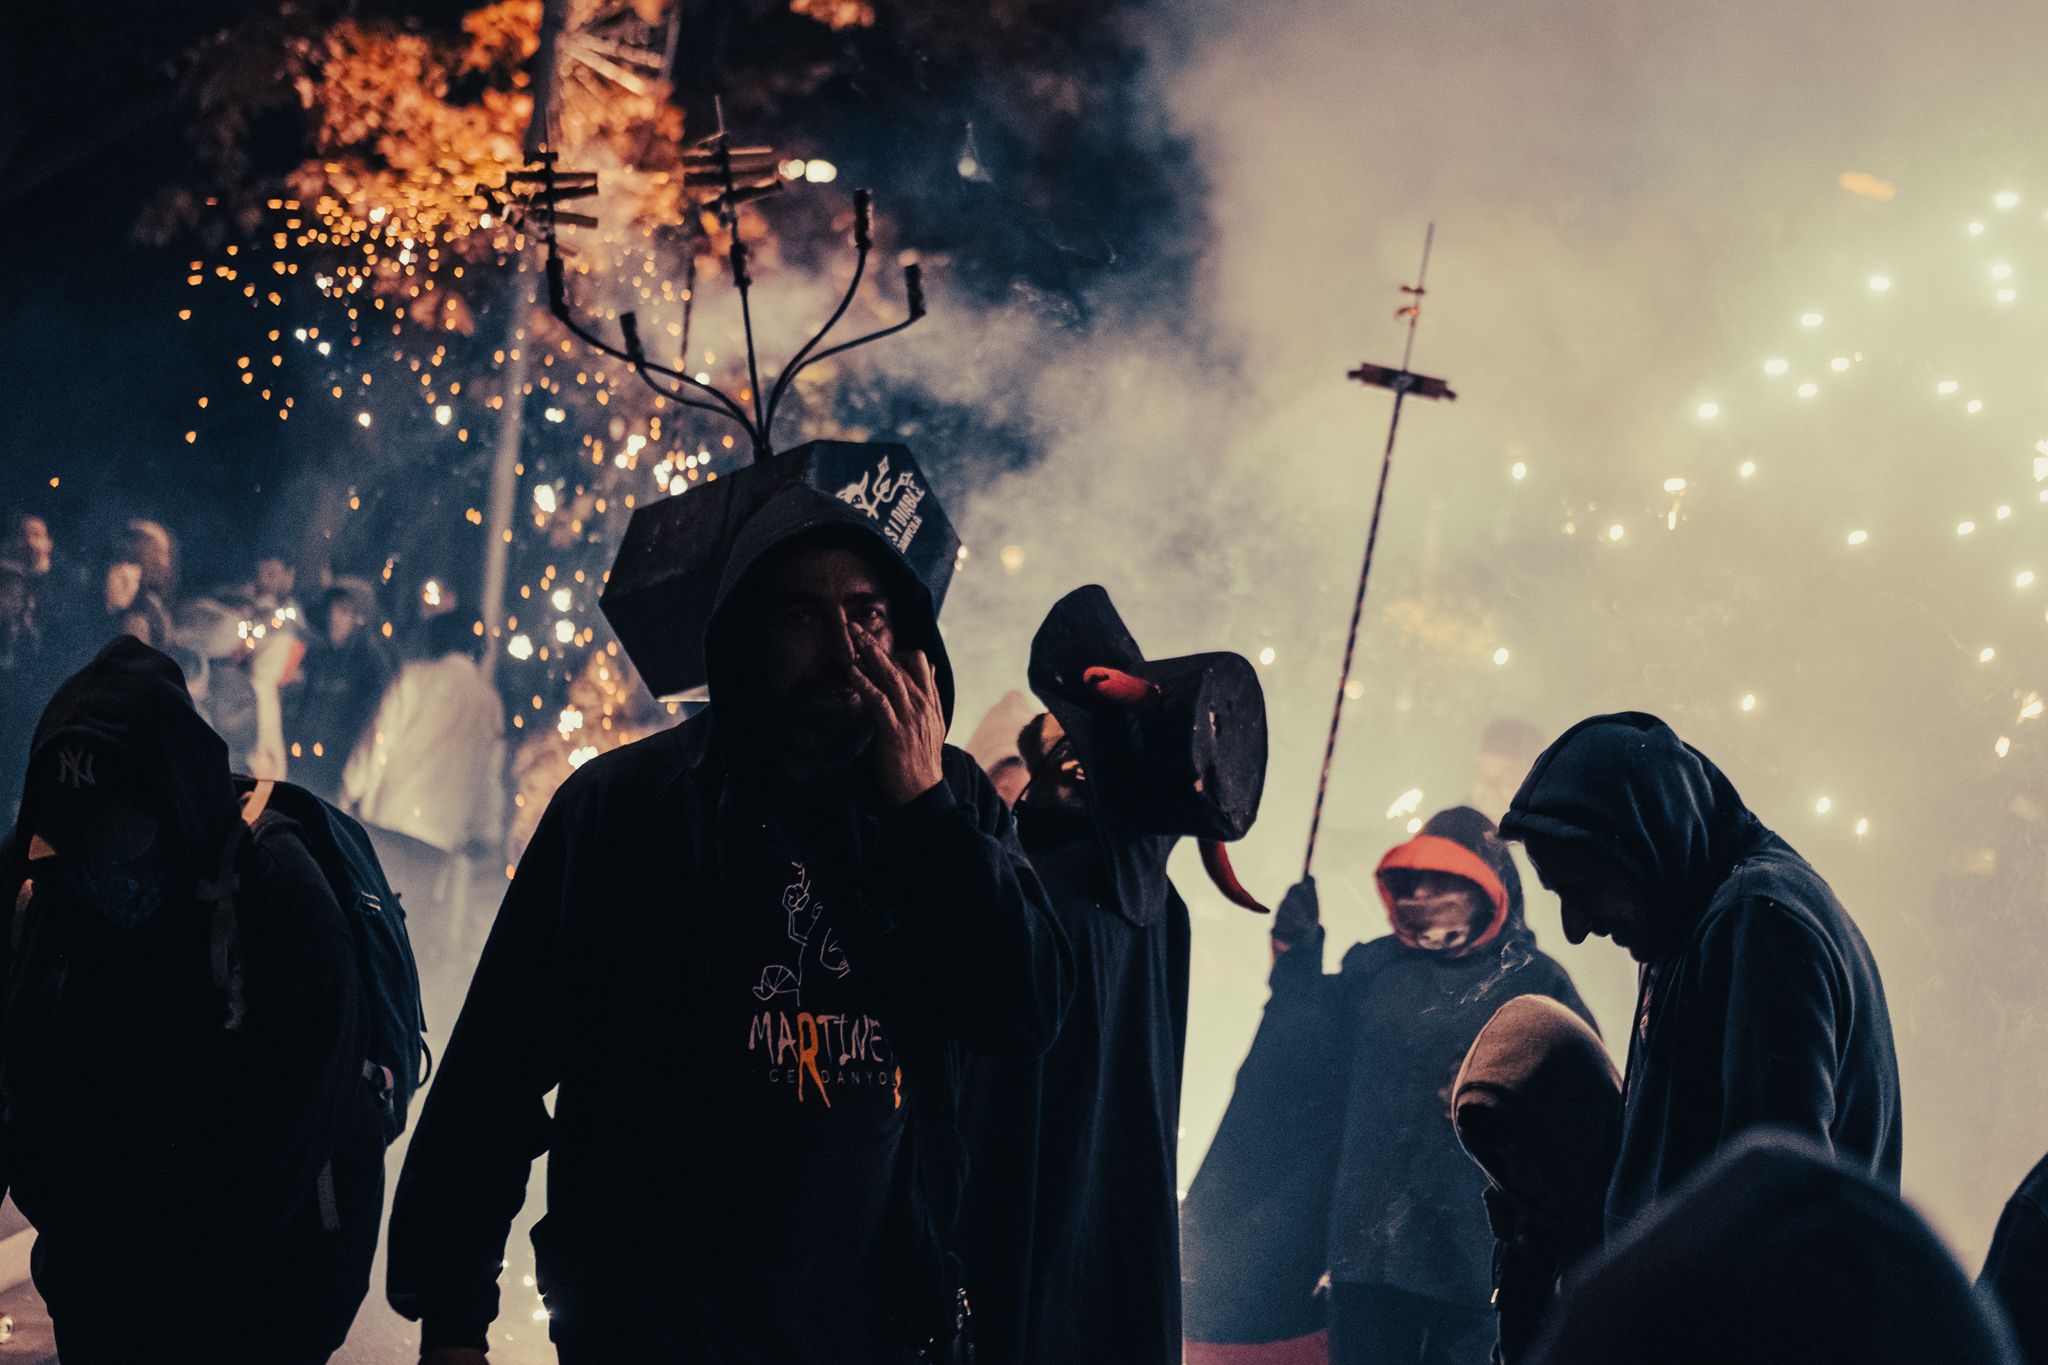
{"points": [[256, 801], [224, 938], [25, 889]]}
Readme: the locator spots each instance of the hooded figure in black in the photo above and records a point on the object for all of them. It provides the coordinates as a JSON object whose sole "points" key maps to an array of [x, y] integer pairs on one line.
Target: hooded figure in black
{"points": [[1775, 1253], [1759, 1002], [2016, 1270], [1406, 1242], [1071, 1228], [196, 1148], [749, 965]]}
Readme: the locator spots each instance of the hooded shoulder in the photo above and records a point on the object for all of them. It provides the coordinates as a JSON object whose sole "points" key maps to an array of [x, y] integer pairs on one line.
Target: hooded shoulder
{"points": [[1774, 870], [1775, 881], [1625, 787]]}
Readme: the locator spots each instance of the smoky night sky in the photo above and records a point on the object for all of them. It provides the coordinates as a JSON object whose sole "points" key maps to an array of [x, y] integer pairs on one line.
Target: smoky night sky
{"points": [[1722, 418]]}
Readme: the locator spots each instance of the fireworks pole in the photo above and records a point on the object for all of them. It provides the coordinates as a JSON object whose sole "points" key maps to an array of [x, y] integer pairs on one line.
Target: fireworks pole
{"points": [[517, 303], [1403, 382]]}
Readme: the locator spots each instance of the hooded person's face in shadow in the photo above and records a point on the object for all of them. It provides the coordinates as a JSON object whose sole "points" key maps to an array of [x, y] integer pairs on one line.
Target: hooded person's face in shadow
{"points": [[111, 855], [811, 603], [1597, 896]]}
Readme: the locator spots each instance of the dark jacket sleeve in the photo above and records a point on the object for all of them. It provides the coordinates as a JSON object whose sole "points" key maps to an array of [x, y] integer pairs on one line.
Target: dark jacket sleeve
{"points": [[486, 1117], [1779, 1028], [970, 943]]}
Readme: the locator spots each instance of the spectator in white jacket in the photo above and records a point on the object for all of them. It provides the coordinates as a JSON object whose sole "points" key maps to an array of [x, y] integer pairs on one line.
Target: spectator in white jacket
{"points": [[428, 778]]}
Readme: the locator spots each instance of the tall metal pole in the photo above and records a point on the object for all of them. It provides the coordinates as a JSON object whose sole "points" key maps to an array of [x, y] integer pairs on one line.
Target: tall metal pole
{"points": [[519, 296], [1372, 536]]}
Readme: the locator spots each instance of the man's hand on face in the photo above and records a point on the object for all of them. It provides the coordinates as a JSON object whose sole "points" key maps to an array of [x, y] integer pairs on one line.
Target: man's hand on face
{"points": [[910, 723]]}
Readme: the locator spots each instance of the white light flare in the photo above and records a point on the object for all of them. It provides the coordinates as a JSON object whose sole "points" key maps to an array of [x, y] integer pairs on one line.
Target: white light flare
{"points": [[1407, 803]]}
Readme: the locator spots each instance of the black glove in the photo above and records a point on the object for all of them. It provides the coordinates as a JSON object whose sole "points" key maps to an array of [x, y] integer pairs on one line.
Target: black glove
{"points": [[1298, 914]]}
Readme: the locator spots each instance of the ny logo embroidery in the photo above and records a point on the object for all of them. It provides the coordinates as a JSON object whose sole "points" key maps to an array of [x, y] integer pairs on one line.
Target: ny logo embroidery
{"points": [[74, 768]]}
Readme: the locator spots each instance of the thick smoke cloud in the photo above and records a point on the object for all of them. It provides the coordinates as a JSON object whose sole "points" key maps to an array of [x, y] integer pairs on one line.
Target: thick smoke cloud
{"points": [[1635, 206]]}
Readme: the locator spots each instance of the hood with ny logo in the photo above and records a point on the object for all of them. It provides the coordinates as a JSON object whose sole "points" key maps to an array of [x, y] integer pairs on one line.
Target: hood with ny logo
{"points": [[123, 728]]}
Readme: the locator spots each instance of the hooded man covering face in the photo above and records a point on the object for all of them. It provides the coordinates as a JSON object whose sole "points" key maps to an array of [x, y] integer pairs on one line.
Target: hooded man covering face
{"points": [[1759, 1003], [748, 954]]}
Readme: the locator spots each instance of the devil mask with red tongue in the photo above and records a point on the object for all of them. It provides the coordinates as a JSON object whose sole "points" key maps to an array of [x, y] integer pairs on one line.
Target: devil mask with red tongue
{"points": [[1170, 749]]}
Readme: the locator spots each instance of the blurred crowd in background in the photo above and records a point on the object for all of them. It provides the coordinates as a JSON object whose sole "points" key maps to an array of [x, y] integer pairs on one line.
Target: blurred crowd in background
{"points": [[372, 694]]}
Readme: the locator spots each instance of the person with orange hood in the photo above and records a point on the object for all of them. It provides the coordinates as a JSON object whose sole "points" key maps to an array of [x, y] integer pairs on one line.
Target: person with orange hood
{"points": [[1406, 1246]]}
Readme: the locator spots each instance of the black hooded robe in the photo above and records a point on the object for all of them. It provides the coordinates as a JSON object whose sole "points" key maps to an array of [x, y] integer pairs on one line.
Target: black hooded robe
{"points": [[1769, 1012], [1071, 1231], [753, 1020], [199, 1192]]}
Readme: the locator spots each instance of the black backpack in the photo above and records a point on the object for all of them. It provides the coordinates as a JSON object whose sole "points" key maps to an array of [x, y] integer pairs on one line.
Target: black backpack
{"points": [[397, 1058]]}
